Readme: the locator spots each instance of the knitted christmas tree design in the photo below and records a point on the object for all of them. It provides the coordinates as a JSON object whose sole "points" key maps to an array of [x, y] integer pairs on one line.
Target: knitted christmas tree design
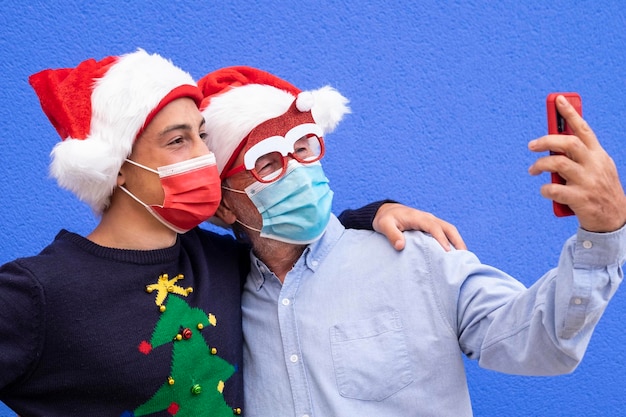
{"points": [[194, 387]]}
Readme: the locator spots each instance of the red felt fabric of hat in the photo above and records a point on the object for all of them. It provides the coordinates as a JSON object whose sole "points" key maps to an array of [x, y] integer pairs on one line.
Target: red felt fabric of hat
{"points": [[65, 95], [222, 80]]}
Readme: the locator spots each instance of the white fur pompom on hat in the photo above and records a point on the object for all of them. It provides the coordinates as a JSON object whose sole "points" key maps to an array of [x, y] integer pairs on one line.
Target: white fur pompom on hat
{"points": [[99, 108], [328, 107], [238, 99]]}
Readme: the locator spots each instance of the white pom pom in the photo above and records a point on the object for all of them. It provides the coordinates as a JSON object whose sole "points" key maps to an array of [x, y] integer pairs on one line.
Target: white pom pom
{"points": [[88, 168], [329, 107], [305, 101]]}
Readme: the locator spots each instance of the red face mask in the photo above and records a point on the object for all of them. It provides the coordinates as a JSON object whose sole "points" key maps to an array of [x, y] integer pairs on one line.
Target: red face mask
{"points": [[192, 192]]}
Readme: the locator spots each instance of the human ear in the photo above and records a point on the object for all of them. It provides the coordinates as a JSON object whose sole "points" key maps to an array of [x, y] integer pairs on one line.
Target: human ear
{"points": [[121, 177]]}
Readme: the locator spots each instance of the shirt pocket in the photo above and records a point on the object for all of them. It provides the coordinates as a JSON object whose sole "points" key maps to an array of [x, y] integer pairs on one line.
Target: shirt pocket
{"points": [[370, 357]]}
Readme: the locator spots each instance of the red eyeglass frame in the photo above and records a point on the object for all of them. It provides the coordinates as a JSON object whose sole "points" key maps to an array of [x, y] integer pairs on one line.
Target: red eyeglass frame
{"points": [[236, 170]]}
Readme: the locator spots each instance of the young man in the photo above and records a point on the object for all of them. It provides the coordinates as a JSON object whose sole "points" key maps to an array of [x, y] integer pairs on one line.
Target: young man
{"points": [[336, 323], [136, 318], [142, 316]]}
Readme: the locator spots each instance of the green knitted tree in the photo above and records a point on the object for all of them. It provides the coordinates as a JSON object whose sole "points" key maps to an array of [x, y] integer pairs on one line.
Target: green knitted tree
{"points": [[194, 387]]}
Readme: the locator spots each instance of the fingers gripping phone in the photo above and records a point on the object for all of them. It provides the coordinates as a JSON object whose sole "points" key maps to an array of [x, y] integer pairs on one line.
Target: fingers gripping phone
{"points": [[557, 125]]}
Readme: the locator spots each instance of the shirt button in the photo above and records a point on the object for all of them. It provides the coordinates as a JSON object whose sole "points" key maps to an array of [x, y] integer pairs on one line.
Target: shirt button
{"points": [[293, 358], [286, 301], [315, 263], [578, 301], [587, 244]]}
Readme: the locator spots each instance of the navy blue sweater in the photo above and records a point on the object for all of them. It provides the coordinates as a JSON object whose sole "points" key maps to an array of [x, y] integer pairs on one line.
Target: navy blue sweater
{"points": [[76, 324]]}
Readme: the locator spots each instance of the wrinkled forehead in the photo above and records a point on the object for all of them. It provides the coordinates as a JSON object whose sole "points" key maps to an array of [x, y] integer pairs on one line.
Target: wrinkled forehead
{"points": [[279, 126]]}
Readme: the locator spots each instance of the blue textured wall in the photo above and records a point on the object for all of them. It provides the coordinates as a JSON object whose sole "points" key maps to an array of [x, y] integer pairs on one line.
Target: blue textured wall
{"points": [[445, 97]]}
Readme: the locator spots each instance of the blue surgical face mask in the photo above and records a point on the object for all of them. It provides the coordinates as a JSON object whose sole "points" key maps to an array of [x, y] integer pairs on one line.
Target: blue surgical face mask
{"points": [[296, 208]]}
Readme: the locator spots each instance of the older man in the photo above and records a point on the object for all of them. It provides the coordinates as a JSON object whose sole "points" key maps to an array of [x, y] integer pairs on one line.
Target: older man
{"points": [[336, 323]]}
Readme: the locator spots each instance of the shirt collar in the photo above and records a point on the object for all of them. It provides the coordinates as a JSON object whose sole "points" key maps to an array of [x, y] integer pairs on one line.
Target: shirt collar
{"points": [[317, 251], [311, 258]]}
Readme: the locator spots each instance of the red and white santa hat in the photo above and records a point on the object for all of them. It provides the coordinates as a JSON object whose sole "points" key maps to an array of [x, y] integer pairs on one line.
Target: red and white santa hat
{"points": [[99, 108], [238, 99]]}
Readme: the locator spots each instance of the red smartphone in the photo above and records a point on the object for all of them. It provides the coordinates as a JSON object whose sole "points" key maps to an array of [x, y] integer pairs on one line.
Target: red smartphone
{"points": [[557, 125]]}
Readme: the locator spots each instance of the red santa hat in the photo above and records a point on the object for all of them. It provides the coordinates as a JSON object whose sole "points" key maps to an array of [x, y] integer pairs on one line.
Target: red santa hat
{"points": [[99, 108], [238, 99]]}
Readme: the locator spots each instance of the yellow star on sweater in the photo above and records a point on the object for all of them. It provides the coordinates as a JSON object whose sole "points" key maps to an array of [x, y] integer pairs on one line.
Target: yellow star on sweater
{"points": [[165, 286]]}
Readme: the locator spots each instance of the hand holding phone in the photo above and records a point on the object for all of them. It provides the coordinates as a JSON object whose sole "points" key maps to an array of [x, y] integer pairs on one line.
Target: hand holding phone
{"points": [[557, 125]]}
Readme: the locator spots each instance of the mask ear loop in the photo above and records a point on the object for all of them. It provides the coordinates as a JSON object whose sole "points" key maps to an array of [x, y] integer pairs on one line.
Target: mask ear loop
{"points": [[134, 197], [142, 166], [233, 190], [237, 220], [247, 227]]}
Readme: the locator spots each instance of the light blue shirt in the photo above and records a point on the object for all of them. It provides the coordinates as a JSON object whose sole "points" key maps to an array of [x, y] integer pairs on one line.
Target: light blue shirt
{"points": [[359, 329]]}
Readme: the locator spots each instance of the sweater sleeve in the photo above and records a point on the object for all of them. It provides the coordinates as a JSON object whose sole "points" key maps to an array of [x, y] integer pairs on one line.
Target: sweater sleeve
{"points": [[361, 218], [21, 318]]}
